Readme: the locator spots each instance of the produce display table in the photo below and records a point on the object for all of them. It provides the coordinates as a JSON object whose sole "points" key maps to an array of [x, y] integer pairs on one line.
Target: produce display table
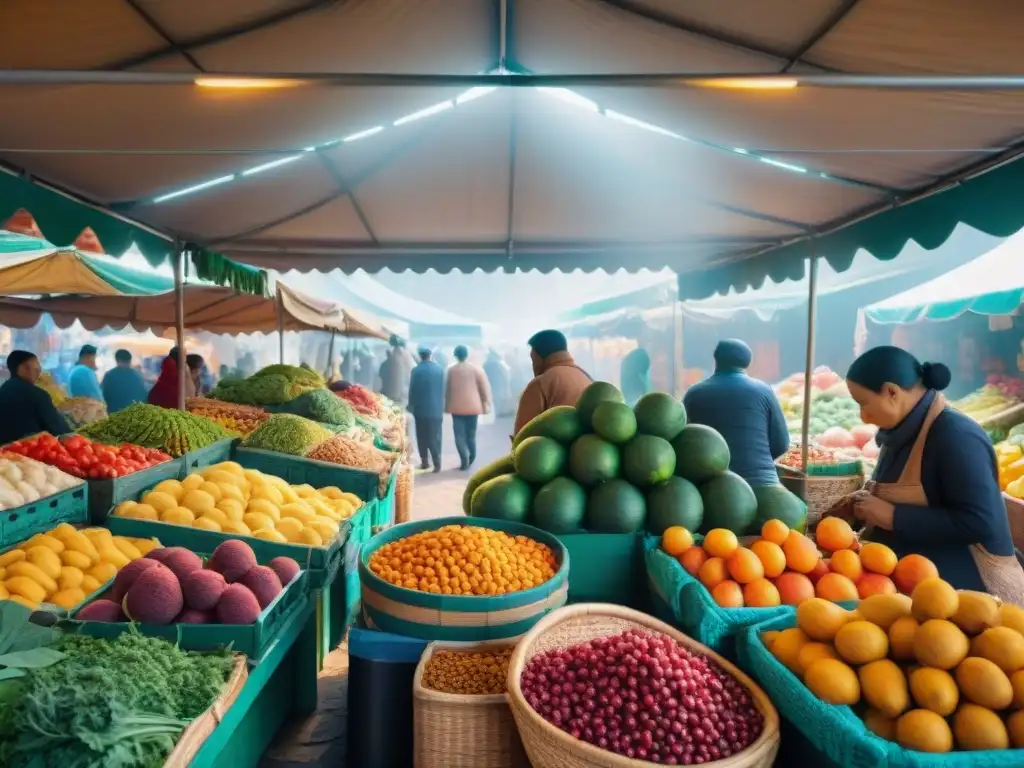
{"points": [[606, 568], [281, 684]]}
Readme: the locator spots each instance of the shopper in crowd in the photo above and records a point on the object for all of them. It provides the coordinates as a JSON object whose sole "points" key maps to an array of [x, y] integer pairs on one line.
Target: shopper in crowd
{"points": [[83, 382], [935, 489], [395, 372], [557, 380], [467, 398], [165, 391], [122, 384], [426, 404], [499, 376], [202, 381], [635, 375], [25, 408], [744, 410]]}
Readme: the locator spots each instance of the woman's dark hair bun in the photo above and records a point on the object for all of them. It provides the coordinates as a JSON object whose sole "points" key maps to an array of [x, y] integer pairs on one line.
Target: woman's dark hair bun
{"points": [[935, 376]]}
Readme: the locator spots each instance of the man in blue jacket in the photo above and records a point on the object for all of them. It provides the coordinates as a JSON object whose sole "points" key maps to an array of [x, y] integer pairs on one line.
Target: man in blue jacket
{"points": [[744, 411], [426, 404], [83, 381]]}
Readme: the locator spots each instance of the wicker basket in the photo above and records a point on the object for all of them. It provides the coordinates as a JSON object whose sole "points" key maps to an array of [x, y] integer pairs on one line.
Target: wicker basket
{"points": [[403, 494], [822, 492], [458, 731], [199, 730], [550, 747]]}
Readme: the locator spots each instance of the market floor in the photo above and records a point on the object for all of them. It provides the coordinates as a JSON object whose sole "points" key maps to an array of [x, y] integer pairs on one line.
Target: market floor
{"points": [[319, 741]]}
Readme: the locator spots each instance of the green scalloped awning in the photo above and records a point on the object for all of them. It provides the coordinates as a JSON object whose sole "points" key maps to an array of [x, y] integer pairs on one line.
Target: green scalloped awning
{"points": [[992, 203]]}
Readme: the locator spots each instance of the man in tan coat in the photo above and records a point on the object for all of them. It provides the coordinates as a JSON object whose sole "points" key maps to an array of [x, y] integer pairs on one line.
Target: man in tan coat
{"points": [[467, 398], [557, 379]]}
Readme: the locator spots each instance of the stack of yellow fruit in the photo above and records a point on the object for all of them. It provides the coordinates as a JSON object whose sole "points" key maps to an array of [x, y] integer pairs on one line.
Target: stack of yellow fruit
{"points": [[64, 566], [245, 502], [914, 662]]}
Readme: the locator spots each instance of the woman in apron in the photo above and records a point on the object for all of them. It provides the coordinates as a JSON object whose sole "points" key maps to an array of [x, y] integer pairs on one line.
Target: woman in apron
{"points": [[934, 491]]}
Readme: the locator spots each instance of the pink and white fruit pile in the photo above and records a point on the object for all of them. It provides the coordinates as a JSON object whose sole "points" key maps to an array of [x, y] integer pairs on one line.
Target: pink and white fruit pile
{"points": [[643, 695], [172, 585]]}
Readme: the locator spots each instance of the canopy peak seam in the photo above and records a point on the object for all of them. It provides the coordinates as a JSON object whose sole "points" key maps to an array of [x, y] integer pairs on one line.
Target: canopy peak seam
{"points": [[153, 24]]}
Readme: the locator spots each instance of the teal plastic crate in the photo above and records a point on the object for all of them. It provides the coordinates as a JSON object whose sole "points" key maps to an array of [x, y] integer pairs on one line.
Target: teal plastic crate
{"points": [[323, 563], [215, 453], [68, 506], [250, 639], [105, 494], [385, 515], [319, 474], [606, 568], [360, 533]]}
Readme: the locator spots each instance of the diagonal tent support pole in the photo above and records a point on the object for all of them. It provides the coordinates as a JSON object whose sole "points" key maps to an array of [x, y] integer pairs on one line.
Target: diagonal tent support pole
{"points": [[179, 319], [280, 326], [812, 307]]}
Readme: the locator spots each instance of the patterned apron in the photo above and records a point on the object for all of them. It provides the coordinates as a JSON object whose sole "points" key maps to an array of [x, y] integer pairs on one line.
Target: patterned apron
{"points": [[1001, 575]]}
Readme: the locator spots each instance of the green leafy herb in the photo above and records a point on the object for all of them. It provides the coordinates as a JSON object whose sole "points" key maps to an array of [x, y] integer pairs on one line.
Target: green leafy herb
{"points": [[23, 645]]}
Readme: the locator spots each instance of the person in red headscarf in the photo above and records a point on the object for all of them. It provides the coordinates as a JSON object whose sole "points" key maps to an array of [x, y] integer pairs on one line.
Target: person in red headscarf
{"points": [[165, 391]]}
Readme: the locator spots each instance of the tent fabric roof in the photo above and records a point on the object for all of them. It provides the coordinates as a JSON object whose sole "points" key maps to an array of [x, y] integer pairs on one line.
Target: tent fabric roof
{"points": [[207, 308], [724, 186], [992, 284], [647, 291]]}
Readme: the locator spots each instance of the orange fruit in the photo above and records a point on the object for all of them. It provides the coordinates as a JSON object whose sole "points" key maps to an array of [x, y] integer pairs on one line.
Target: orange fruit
{"points": [[878, 558], [728, 594], [775, 531], [911, 570], [846, 563], [836, 587], [794, 588], [676, 540], [875, 584], [819, 570], [720, 542], [744, 566], [801, 554], [772, 558], [713, 572], [692, 559], [761, 594], [834, 534]]}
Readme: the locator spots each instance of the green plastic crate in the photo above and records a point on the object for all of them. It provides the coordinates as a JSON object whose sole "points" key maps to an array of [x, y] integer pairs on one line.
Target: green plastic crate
{"points": [[250, 639], [385, 514], [105, 494], [606, 568], [215, 453], [323, 563], [68, 506], [360, 533], [319, 474]]}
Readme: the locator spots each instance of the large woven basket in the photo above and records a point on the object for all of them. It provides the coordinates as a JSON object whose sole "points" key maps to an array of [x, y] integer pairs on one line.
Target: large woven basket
{"points": [[822, 492], [403, 493], [460, 731], [551, 747]]}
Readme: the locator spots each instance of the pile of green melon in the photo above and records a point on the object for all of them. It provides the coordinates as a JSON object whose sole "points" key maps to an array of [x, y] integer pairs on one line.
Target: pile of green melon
{"points": [[605, 467]]}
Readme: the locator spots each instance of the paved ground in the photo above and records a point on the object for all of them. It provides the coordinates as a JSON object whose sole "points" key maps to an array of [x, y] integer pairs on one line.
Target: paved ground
{"points": [[319, 741]]}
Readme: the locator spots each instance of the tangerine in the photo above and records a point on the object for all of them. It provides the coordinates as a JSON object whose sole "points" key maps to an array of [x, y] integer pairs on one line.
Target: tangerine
{"points": [[834, 534], [794, 588], [911, 570], [775, 531], [676, 540], [836, 587], [745, 567], [772, 558], [801, 554], [878, 558], [820, 569], [875, 584], [713, 572], [720, 542], [692, 559], [846, 563], [728, 594], [761, 594]]}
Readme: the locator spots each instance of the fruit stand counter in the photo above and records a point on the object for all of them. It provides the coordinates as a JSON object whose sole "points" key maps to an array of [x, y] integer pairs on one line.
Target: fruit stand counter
{"points": [[281, 684]]}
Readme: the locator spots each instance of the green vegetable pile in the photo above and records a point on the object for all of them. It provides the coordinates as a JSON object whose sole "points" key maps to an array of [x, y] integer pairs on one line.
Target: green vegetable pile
{"points": [[285, 433], [112, 703], [320, 405], [273, 385], [172, 431]]}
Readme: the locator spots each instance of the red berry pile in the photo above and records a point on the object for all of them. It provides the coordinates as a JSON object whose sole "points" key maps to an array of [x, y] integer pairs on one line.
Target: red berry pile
{"points": [[81, 457], [642, 695]]}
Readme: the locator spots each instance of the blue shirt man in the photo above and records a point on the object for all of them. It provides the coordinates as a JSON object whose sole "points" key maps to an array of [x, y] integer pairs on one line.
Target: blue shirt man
{"points": [[83, 381], [744, 411], [123, 385], [426, 404]]}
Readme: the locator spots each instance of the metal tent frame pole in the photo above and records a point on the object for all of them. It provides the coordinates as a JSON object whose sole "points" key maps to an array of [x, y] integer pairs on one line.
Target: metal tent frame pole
{"points": [[179, 320], [805, 421], [280, 326]]}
